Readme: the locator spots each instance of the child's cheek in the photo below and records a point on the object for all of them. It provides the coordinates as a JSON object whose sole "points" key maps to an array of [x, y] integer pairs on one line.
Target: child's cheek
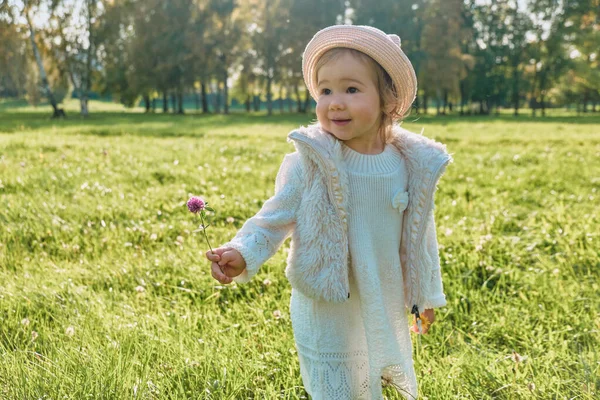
{"points": [[322, 112]]}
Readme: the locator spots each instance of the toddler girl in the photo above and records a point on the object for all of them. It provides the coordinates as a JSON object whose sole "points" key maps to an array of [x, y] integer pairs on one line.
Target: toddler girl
{"points": [[357, 197]]}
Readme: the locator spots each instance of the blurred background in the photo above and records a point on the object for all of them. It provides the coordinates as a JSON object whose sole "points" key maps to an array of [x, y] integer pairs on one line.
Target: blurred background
{"points": [[220, 56]]}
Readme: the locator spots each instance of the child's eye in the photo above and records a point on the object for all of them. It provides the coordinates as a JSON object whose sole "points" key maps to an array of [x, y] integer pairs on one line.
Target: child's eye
{"points": [[325, 91], [352, 89]]}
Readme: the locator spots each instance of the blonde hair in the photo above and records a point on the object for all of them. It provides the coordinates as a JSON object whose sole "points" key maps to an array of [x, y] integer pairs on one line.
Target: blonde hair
{"points": [[388, 98]]}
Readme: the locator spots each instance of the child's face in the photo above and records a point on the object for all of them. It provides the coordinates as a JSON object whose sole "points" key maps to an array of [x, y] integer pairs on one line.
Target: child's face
{"points": [[348, 104]]}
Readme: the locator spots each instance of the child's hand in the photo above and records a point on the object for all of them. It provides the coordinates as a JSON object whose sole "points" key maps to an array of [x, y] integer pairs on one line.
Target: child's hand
{"points": [[226, 264], [428, 314]]}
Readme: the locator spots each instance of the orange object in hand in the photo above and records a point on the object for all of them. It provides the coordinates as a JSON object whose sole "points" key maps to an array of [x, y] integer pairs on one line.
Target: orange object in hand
{"points": [[424, 320]]}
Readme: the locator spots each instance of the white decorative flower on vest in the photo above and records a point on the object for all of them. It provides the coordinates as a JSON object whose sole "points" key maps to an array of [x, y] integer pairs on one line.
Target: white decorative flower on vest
{"points": [[400, 200]]}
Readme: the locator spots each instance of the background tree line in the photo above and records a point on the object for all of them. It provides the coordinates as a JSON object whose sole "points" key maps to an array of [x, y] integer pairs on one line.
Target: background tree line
{"points": [[470, 56]]}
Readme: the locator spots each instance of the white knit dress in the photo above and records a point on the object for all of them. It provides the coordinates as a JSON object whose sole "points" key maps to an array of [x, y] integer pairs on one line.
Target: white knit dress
{"points": [[346, 348]]}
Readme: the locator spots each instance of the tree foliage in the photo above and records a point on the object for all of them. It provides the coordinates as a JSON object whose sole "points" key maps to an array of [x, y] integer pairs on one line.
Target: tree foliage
{"points": [[479, 55]]}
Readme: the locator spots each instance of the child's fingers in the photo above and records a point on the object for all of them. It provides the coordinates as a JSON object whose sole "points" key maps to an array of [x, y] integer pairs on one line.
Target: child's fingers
{"points": [[218, 274], [228, 256], [214, 257], [216, 254], [415, 329]]}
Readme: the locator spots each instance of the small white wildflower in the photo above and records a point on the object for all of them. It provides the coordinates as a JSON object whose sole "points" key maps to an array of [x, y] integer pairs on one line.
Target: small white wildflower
{"points": [[153, 236], [25, 322], [70, 331], [277, 314], [230, 220], [267, 282], [34, 335], [140, 289]]}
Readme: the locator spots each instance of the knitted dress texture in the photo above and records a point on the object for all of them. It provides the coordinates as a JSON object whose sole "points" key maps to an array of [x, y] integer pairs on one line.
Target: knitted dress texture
{"points": [[346, 348]]}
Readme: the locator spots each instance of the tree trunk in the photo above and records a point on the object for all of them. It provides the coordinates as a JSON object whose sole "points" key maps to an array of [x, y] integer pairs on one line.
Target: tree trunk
{"points": [[153, 104], [516, 89], [247, 102], [165, 103], [533, 100], [256, 103], [543, 78], [425, 100], [542, 103], [586, 98], [269, 95], [217, 98], [173, 102], [298, 101], [288, 98], [225, 92], [197, 100], [462, 97], [147, 103], [204, 99], [58, 112], [87, 82], [83, 102], [281, 99], [445, 101], [180, 101], [306, 101]]}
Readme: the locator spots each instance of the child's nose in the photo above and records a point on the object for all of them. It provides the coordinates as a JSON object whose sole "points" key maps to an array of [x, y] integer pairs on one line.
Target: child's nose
{"points": [[336, 105]]}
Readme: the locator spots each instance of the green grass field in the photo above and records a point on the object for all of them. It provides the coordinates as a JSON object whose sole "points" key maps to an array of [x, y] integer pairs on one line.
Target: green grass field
{"points": [[105, 294]]}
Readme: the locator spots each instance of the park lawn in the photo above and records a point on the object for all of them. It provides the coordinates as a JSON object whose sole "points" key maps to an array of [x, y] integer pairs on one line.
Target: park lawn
{"points": [[104, 292]]}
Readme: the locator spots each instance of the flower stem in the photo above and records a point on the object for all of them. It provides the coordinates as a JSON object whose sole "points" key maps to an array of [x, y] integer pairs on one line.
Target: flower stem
{"points": [[205, 235]]}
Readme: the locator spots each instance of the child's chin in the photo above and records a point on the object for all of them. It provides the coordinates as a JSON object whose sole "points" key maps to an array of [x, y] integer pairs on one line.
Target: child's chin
{"points": [[343, 137]]}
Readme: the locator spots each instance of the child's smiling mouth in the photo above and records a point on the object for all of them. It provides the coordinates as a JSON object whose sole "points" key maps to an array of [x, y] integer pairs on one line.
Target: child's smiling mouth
{"points": [[341, 122]]}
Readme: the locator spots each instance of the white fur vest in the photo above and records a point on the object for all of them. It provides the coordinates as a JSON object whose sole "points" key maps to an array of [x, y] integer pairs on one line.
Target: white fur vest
{"points": [[318, 262]]}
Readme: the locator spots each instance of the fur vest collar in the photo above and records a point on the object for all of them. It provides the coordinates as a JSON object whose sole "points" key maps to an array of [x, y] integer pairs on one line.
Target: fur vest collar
{"points": [[319, 255]]}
